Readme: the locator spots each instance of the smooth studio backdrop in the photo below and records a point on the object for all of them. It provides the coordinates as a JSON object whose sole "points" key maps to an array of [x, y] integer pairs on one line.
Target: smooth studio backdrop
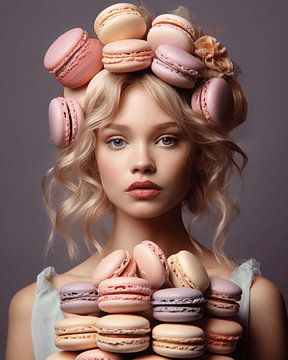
{"points": [[255, 34]]}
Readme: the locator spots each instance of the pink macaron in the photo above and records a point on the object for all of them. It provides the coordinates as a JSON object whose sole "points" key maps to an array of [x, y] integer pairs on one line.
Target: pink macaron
{"points": [[151, 263], [124, 295], [173, 30], [74, 58], [79, 298], [127, 55], [65, 116], [221, 298], [117, 263], [214, 100], [176, 66]]}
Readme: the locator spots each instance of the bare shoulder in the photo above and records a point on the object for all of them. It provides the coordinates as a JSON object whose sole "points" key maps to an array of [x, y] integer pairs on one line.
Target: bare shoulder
{"points": [[20, 311], [268, 321]]}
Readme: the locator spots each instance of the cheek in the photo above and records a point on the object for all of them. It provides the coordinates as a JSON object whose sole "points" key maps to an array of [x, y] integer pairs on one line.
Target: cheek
{"points": [[106, 169]]}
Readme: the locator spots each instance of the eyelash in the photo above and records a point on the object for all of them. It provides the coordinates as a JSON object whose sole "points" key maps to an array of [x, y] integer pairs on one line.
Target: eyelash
{"points": [[174, 139]]}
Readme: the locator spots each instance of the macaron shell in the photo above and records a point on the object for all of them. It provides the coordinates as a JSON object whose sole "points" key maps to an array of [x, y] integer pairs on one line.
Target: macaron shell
{"points": [[111, 265], [217, 103], [62, 47], [221, 308], [173, 30], [124, 285], [150, 357], [76, 116], [59, 122], [223, 289], [62, 355], [151, 263], [187, 271], [97, 354], [82, 66], [120, 21], [127, 55]]}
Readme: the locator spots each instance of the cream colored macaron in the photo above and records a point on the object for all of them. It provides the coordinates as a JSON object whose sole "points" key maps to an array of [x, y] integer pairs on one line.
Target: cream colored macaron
{"points": [[62, 355]]}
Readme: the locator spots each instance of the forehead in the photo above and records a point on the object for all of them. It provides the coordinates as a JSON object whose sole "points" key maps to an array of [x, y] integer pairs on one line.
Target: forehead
{"points": [[139, 109]]}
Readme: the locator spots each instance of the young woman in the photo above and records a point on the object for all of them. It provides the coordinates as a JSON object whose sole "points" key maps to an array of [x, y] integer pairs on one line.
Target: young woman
{"points": [[141, 132]]}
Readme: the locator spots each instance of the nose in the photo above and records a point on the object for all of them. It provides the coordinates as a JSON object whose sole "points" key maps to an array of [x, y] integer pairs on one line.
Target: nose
{"points": [[142, 161]]}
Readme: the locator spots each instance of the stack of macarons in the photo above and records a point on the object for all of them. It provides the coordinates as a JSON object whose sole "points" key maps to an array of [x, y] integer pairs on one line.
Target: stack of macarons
{"points": [[149, 304], [126, 41]]}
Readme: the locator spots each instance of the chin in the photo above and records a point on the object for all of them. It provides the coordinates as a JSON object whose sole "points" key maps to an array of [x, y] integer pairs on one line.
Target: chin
{"points": [[147, 210]]}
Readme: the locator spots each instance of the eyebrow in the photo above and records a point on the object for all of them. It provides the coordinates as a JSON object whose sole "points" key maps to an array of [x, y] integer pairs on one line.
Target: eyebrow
{"points": [[122, 127]]}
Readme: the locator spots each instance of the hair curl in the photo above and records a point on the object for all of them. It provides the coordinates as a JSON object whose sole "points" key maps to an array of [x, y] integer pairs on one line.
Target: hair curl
{"points": [[76, 169]]}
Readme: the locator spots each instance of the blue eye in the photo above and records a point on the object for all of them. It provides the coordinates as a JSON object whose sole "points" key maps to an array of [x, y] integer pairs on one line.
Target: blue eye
{"points": [[116, 143], [167, 141]]}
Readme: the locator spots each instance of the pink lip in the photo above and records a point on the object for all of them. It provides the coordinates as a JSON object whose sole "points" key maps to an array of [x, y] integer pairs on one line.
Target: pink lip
{"points": [[144, 190]]}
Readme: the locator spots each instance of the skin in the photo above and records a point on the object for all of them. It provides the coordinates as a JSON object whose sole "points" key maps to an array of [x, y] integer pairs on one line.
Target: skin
{"points": [[142, 151]]}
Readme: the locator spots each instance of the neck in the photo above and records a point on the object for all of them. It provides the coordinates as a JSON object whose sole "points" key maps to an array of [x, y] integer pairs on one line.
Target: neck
{"points": [[167, 231]]}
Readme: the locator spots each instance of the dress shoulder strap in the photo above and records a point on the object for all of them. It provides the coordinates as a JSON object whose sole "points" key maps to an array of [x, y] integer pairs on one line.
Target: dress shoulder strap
{"points": [[45, 313]]}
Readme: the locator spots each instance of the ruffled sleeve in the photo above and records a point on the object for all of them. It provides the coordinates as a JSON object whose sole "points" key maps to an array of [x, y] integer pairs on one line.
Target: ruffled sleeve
{"points": [[46, 312]]}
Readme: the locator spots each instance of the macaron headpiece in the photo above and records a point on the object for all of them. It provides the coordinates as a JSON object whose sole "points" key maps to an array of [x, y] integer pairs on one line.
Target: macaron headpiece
{"points": [[177, 52]]}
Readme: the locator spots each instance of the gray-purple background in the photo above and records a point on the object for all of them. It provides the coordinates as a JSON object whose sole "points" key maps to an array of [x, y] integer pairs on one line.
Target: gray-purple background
{"points": [[255, 33]]}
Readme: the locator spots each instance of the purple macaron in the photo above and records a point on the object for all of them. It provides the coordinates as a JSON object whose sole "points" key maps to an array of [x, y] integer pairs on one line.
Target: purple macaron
{"points": [[177, 304], [176, 66], [79, 298], [221, 298]]}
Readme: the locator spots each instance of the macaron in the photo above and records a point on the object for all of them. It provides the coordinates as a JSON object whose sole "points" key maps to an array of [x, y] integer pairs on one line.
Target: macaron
{"points": [[74, 58], [214, 100], [62, 355], [176, 66], [97, 354], [76, 333], [124, 295], [79, 298], [172, 30], [177, 304], [65, 115], [120, 21], [127, 55], [151, 263], [221, 298], [222, 336], [187, 271], [117, 263], [123, 333], [179, 341]]}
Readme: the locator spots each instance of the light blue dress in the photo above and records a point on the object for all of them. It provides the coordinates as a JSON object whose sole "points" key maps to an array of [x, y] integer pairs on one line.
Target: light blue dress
{"points": [[46, 309]]}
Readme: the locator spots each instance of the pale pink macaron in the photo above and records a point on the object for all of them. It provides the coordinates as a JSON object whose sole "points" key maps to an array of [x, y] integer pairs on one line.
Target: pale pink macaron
{"points": [[62, 355], [172, 30], [65, 116], [216, 357], [176, 66], [74, 58], [221, 298], [117, 263], [151, 263], [120, 21], [214, 100], [151, 357], [97, 354], [127, 55], [124, 295]]}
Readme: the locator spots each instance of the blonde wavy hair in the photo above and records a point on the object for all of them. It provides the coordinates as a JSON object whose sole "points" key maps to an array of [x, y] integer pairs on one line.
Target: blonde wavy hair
{"points": [[75, 171]]}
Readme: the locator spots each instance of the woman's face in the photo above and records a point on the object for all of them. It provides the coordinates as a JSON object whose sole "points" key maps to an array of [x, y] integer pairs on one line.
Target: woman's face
{"points": [[142, 158]]}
